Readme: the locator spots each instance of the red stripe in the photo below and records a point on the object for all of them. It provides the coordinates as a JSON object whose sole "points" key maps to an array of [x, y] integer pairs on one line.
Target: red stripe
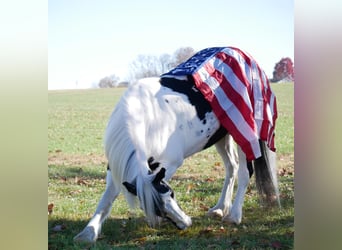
{"points": [[238, 70], [204, 88], [232, 95], [247, 58], [275, 110], [265, 123], [264, 130], [267, 127], [270, 139], [232, 129], [238, 137], [224, 119], [235, 66]]}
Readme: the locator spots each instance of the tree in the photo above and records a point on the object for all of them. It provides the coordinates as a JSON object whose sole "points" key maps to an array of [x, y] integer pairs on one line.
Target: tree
{"points": [[165, 63], [283, 70], [109, 81], [181, 55], [144, 66], [149, 65]]}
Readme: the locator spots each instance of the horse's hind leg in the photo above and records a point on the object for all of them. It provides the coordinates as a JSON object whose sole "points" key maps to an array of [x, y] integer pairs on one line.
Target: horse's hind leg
{"points": [[235, 213], [225, 147], [91, 232]]}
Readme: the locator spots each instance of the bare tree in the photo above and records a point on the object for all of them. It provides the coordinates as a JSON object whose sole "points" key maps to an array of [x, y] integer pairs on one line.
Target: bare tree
{"points": [[165, 63], [149, 65], [109, 81], [144, 66], [182, 54]]}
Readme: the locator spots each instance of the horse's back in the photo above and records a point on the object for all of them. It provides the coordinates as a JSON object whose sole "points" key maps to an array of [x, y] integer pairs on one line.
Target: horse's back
{"points": [[169, 118]]}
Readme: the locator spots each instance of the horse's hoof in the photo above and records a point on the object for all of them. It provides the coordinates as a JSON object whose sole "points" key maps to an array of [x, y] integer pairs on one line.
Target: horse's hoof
{"points": [[215, 213], [86, 236], [232, 220]]}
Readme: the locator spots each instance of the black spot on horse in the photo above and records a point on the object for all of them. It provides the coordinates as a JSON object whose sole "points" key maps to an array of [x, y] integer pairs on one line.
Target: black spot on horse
{"points": [[189, 89], [152, 165], [196, 98], [221, 132]]}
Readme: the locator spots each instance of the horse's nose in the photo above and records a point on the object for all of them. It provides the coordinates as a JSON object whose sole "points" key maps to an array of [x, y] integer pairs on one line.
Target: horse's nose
{"points": [[184, 224]]}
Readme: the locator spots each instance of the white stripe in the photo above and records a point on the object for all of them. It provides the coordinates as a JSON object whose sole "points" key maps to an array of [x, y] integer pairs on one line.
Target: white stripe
{"points": [[256, 148], [232, 111], [243, 64], [234, 81], [258, 96], [264, 78], [272, 103], [252, 74]]}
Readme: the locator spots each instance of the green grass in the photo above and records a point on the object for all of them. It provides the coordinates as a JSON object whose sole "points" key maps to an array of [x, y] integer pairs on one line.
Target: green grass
{"points": [[76, 169], [285, 121]]}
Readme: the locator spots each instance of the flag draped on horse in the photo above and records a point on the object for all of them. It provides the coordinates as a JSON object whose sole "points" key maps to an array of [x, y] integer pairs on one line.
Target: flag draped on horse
{"points": [[238, 92]]}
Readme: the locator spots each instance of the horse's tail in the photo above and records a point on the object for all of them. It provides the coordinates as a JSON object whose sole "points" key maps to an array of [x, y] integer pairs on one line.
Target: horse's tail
{"points": [[266, 175]]}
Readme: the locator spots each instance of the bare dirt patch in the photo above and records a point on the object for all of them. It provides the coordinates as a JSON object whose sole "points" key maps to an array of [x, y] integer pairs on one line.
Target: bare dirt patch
{"points": [[285, 164]]}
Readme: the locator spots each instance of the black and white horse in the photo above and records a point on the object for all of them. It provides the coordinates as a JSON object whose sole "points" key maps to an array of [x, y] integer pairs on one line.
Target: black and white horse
{"points": [[156, 125]]}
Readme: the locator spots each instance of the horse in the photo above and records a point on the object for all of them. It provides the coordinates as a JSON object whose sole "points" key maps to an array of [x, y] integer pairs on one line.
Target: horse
{"points": [[157, 123]]}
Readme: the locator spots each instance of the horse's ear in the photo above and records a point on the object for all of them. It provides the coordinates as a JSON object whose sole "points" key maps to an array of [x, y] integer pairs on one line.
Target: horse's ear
{"points": [[130, 187], [159, 176]]}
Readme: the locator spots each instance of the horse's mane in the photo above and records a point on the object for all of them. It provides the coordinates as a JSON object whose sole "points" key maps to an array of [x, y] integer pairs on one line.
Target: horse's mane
{"points": [[124, 148]]}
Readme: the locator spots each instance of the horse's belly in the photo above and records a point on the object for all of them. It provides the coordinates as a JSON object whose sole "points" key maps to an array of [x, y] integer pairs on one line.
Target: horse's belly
{"points": [[197, 133]]}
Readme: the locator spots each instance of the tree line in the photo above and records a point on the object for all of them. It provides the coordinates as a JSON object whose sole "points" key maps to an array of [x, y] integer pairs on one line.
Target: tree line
{"points": [[149, 66], [145, 65]]}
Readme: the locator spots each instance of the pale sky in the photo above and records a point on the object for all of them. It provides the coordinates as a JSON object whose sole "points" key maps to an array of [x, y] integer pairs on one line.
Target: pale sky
{"points": [[89, 40]]}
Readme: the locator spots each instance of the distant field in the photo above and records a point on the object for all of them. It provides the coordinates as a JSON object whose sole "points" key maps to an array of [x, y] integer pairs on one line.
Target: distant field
{"points": [[77, 166]]}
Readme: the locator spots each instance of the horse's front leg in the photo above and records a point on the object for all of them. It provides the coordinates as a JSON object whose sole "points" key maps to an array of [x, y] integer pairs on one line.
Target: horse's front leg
{"points": [[225, 147], [235, 214], [91, 232]]}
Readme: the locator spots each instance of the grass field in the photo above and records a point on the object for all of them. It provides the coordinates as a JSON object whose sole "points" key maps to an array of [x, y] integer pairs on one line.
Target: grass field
{"points": [[77, 167]]}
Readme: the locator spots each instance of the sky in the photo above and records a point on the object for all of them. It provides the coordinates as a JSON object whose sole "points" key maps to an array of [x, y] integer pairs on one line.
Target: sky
{"points": [[88, 40]]}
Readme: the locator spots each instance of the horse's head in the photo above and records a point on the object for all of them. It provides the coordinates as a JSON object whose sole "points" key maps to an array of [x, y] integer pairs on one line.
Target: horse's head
{"points": [[159, 201]]}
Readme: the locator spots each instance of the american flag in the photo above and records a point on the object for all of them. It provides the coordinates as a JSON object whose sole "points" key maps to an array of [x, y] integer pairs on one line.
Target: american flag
{"points": [[238, 92]]}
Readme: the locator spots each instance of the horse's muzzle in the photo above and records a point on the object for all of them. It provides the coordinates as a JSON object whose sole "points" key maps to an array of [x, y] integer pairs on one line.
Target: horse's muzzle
{"points": [[176, 215], [185, 223]]}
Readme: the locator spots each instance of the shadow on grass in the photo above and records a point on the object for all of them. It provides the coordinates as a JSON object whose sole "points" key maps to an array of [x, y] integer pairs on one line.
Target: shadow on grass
{"points": [[89, 172], [260, 229], [205, 233]]}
